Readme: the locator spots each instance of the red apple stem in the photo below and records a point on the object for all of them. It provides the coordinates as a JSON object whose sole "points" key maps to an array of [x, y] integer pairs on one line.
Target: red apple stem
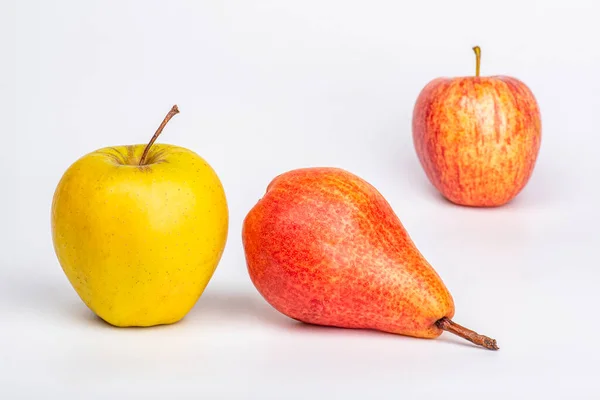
{"points": [[448, 325], [174, 110], [477, 51]]}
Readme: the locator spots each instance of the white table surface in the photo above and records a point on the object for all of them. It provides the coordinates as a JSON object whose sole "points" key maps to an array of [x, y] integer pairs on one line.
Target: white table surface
{"points": [[269, 86]]}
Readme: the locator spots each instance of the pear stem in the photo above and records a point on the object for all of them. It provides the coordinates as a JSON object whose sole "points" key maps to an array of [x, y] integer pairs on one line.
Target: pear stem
{"points": [[174, 110], [477, 51], [448, 325]]}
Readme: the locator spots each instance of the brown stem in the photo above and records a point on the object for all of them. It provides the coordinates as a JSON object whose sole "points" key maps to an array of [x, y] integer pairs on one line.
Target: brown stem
{"points": [[174, 110], [477, 51], [448, 325]]}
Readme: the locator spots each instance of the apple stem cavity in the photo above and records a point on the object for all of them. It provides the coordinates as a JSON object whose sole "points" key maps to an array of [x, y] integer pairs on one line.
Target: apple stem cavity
{"points": [[174, 110], [477, 51], [448, 325]]}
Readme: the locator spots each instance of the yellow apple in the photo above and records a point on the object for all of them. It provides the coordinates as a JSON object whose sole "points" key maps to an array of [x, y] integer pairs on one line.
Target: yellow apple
{"points": [[139, 230]]}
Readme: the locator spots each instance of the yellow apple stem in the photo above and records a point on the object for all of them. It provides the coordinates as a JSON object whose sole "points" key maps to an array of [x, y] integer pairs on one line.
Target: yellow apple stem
{"points": [[448, 325], [477, 51], [174, 110]]}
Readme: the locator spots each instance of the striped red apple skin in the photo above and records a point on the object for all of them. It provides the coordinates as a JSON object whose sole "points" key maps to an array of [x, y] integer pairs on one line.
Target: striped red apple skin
{"points": [[477, 138]]}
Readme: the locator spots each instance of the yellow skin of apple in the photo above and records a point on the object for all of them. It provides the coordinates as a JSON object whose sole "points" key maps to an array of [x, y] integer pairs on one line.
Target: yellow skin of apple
{"points": [[139, 244]]}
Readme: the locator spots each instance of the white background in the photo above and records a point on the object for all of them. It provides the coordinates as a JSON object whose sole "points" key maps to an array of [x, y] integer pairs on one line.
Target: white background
{"points": [[268, 86]]}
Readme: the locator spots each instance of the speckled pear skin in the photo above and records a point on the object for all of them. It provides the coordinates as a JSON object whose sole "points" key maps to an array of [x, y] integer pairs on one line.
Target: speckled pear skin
{"points": [[324, 247], [477, 138]]}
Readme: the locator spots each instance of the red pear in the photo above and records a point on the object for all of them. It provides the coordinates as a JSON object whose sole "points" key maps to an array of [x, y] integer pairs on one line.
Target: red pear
{"points": [[324, 247]]}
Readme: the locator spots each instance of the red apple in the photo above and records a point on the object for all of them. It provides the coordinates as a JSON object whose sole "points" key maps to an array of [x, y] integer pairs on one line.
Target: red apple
{"points": [[477, 138]]}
